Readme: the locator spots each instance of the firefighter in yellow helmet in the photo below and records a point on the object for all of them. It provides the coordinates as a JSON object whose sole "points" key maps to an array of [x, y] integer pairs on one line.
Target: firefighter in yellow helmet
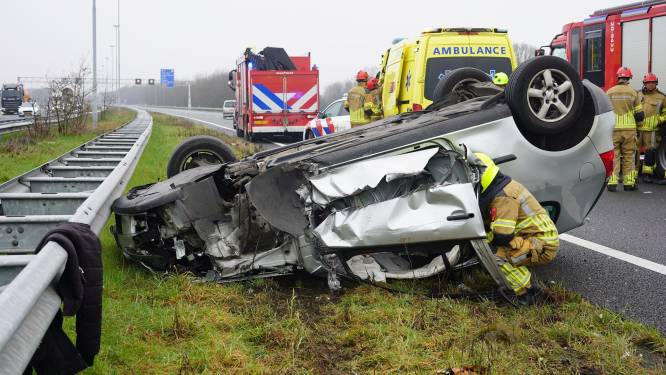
{"points": [[628, 112], [356, 100], [500, 79], [373, 103], [654, 108], [518, 227]]}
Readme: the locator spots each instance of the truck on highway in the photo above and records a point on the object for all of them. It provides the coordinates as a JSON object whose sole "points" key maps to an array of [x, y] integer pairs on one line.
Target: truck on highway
{"points": [[12, 98], [631, 35], [276, 94]]}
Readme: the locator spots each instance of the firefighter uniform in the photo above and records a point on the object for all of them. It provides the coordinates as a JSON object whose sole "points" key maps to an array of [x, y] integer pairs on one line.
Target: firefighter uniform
{"points": [[654, 108], [517, 226], [355, 102], [373, 104], [627, 108]]}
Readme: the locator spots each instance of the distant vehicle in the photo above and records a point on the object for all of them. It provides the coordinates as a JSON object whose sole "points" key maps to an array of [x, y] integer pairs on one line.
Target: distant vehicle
{"points": [[631, 35], [228, 109], [334, 118], [28, 109], [276, 94], [412, 69], [12, 97]]}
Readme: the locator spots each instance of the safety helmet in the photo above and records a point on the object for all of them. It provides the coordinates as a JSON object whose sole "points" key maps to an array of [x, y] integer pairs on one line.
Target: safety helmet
{"points": [[500, 79], [624, 72], [490, 171], [362, 75], [650, 77], [372, 83]]}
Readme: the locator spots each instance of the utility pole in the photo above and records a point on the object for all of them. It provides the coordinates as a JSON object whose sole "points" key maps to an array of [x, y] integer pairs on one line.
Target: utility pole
{"points": [[113, 82], [94, 85]]}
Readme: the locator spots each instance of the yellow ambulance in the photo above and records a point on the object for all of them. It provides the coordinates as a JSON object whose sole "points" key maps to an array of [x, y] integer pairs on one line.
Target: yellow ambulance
{"points": [[412, 68]]}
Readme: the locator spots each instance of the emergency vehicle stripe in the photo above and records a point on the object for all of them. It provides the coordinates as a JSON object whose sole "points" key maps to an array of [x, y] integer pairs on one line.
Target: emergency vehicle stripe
{"points": [[312, 93], [259, 103], [320, 130], [331, 128], [271, 96], [316, 132], [268, 103]]}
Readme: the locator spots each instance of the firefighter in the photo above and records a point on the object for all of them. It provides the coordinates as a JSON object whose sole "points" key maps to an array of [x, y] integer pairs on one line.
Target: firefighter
{"points": [[654, 108], [628, 112], [500, 79], [356, 100], [518, 227], [373, 103]]}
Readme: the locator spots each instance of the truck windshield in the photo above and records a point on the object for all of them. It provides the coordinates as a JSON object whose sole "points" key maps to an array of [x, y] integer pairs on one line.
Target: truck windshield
{"points": [[559, 51], [437, 67], [11, 94]]}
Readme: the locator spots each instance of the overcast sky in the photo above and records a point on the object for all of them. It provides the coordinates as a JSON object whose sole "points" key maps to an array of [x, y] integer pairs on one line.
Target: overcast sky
{"points": [[50, 37]]}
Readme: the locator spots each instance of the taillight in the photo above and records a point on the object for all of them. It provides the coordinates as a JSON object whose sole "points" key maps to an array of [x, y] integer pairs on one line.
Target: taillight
{"points": [[417, 107], [607, 158]]}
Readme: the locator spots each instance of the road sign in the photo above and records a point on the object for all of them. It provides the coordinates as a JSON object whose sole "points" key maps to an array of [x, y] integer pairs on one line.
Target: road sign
{"points": [[151, 81], [166, 77], [137, 81]]}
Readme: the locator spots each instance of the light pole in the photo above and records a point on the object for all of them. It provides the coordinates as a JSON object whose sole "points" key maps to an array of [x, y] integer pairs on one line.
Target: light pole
{"points": [[118, 44], [117, 67], [94, 85], [112, 70]]}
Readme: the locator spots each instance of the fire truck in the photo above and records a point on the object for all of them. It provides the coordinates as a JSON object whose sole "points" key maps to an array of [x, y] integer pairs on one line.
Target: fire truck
{"points": [[276, 94], [630, 35]]}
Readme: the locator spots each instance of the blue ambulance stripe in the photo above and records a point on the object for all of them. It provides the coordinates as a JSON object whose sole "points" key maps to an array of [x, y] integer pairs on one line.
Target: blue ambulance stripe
{"points": [[259, 103], [315, 131], [269, 94]]}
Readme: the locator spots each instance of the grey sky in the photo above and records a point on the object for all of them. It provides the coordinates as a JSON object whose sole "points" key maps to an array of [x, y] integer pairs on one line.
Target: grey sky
{"points": [[202, 36]]}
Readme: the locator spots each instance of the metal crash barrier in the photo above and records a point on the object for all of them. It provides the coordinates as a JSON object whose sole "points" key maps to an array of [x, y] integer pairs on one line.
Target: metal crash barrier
{"points": [[79, 187]]}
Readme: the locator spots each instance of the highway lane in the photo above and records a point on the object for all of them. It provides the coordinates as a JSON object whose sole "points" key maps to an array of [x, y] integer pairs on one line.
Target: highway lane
{"points": [[632, 223]]}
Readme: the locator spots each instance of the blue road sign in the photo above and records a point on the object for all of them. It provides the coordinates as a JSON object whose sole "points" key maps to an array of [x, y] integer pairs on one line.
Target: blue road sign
{"points": [[166, 77]]}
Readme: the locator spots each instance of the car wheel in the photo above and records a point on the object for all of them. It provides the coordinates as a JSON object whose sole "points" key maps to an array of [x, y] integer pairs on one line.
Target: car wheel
{"points": [[309, 134], [455, 78], [545, 95], [198, 151]]}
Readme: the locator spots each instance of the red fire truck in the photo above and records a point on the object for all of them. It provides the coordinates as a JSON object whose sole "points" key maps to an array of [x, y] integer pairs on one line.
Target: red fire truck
{"points": [[276, 94], [632, 35]]}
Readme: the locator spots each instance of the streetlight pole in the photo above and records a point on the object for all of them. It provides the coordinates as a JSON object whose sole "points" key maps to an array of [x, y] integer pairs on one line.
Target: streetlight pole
{"points": [[117, 65], [94, 85], [118, 44], [112, 71]]}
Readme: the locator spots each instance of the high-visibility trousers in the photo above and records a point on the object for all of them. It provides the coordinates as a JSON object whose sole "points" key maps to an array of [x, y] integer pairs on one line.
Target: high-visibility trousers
{"points": [[624, 143]]}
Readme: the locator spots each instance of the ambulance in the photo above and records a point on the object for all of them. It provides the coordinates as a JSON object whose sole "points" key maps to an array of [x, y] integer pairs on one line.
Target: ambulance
{"points": [[412, 68]]}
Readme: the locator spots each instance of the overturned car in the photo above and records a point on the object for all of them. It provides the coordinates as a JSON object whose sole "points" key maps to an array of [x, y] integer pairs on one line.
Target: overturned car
{"points": [[395, 199]]}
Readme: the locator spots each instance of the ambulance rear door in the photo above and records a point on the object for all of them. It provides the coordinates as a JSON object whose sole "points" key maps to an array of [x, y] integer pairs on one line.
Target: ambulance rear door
{"points": [[392, 80]]}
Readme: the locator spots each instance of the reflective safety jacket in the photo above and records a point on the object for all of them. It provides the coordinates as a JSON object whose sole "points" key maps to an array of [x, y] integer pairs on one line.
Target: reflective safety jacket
{"points": [[516, 216], [654, 108], [355, 105], [627, 106], [372, 105]]}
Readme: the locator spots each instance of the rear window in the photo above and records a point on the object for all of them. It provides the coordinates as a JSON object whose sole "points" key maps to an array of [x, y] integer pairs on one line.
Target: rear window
{"points": [[437, 67], [229, 104]]}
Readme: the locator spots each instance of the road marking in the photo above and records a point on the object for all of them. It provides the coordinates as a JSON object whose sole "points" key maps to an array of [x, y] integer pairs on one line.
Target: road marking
{"points": [[647, 264], [277, 143], [198, 120]]}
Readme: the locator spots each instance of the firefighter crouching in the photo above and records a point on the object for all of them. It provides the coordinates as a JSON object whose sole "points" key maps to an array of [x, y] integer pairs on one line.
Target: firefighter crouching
{"points": [[373, 103], [628, 111], [649, 137], [356, 100], [518, 227]]}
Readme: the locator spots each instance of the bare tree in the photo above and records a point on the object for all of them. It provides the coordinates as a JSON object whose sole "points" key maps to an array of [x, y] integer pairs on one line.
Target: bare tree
{"points": [[67, 102], [523, 51]]}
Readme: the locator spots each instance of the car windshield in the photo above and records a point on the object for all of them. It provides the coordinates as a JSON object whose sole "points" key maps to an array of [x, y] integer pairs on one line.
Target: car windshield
{"points": [[437, 67], [228, 104]]}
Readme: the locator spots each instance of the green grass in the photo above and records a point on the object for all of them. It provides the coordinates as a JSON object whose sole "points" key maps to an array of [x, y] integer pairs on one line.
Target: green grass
{"points": [[19, 152], [168, 324]]}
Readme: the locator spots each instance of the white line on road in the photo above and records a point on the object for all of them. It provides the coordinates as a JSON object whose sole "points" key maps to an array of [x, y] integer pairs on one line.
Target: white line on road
{"points": [[199, 120], [277, 143], [647, 264]]}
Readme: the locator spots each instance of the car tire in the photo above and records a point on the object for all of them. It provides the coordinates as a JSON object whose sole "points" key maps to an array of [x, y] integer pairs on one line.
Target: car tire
{"points": [[199, 151], [308, 135], [536, 97], [454, 78]]}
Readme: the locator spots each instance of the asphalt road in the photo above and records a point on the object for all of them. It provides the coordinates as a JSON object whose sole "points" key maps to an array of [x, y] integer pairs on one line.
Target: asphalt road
{"points": [[213, 120], [617, 259]]}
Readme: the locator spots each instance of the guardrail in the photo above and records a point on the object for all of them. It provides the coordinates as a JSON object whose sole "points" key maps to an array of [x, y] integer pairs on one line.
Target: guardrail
{"points": [[11, 126], [212, 109], [79, 187]]}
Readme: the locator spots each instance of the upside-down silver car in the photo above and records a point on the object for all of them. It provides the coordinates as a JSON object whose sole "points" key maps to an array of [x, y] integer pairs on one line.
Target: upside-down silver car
{"points": [[395, 199]]}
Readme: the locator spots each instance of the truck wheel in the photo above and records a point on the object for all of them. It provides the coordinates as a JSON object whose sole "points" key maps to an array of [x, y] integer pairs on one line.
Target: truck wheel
{"points": [[545, 95], [455, 78], [198, 151]]}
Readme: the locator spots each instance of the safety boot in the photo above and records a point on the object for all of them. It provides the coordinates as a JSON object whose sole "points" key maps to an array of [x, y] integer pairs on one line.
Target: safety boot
{"points": [[612, 188]]}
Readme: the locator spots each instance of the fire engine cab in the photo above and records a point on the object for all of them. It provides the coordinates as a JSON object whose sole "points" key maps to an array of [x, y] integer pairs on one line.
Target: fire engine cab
{"points": [[276, 94], [630, 35]]}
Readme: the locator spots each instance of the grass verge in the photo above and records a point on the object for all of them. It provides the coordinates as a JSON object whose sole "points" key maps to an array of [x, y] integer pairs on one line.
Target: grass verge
{"points": [[167, 324], [20, 153]]}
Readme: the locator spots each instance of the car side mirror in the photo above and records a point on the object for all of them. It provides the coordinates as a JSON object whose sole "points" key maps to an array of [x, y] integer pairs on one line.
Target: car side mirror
{"points": [[539, 52]]}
